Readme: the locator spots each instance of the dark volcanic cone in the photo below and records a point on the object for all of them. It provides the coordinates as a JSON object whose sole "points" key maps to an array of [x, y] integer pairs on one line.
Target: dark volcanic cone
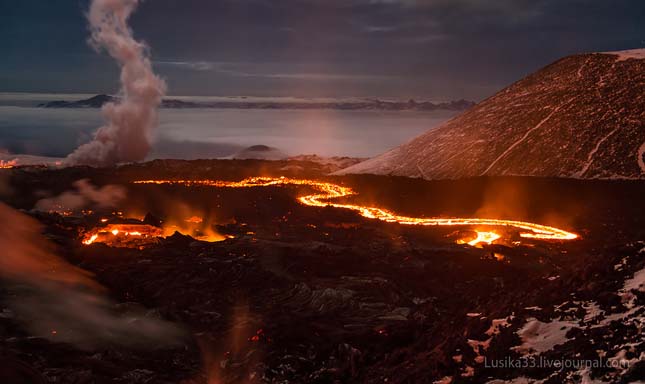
{"points": [[582, 116]]}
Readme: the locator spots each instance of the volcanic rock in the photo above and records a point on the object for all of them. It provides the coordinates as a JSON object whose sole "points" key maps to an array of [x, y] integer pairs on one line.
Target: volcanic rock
{"points": [[582, 116], [303, 294], [151, 219]]}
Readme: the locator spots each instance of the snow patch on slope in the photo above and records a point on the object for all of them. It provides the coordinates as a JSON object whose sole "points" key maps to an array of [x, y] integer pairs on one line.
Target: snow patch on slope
{"points": [[641, 155], [538, 337], [517, 380], [383, 164], [615, 331], [629, 54], [479, 346], [518, 142], [637, 282], [590, 157]]}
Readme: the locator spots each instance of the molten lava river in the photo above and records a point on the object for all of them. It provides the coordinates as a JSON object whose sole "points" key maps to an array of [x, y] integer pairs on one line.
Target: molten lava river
{"points": [[326, 192]]}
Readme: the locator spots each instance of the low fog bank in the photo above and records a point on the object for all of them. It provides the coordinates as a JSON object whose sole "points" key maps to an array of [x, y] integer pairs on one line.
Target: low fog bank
{"points": [[208, 133], [165, 148]]}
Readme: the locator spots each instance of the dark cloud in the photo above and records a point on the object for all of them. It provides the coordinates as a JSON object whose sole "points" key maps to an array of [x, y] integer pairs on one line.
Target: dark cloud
{"points": [[431, 48]]}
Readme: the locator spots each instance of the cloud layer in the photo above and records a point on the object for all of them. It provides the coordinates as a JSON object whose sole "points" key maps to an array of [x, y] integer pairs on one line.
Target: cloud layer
{"points": [[406, 48]]}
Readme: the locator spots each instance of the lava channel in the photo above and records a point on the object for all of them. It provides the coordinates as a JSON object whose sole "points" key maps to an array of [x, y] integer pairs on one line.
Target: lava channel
{"points": [[329, 191]]}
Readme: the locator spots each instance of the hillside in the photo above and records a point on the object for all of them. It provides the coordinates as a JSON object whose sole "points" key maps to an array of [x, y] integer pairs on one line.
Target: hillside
{"points": [[582, 116]]}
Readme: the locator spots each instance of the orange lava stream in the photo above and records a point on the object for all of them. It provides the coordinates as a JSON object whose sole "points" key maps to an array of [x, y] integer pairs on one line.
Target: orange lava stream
{"points": [[329, 191], [121, 230], [484, 237], [8, 164]]}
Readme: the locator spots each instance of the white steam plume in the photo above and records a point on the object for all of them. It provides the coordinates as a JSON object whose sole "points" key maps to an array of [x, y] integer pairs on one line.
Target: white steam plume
{"points": [[126, 135]]}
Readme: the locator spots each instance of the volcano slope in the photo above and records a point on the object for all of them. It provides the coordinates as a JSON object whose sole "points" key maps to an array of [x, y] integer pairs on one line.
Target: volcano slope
{"points": [[300, 294], [582, 116]]}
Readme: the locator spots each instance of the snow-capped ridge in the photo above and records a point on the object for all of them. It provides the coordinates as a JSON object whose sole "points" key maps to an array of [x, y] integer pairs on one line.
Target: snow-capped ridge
{"points": [[629, 54]]}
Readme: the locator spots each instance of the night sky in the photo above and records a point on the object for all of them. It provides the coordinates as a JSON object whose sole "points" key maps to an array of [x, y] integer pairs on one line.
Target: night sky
{"points": [[435, 49]]}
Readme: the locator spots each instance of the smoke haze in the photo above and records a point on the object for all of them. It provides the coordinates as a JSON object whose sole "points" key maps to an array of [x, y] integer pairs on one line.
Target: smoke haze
{"points": [[86, 195], [127, 134], [58, 301]]}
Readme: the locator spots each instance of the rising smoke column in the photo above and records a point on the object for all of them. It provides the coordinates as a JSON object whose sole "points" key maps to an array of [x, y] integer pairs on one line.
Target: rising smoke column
{"points": [[126, 135]]}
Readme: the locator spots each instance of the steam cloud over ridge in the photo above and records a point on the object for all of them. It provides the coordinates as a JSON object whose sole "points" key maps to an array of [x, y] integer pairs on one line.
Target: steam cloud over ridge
{"points": [[126, 135]]}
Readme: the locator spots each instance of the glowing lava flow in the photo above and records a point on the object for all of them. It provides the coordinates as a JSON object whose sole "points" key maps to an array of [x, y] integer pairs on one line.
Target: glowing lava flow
{"points": [[329, 191], [8, 164], [122, 233], [484, 237], [137, 234]]}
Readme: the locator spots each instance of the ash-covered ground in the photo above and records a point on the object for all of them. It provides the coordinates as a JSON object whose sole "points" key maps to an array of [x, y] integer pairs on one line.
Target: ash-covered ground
{"points": [[299, 294]]}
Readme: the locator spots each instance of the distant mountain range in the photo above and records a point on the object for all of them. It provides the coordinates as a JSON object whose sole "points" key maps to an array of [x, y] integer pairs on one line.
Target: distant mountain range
{"points": [[582, 117], [241, 103], [93, 102]]}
